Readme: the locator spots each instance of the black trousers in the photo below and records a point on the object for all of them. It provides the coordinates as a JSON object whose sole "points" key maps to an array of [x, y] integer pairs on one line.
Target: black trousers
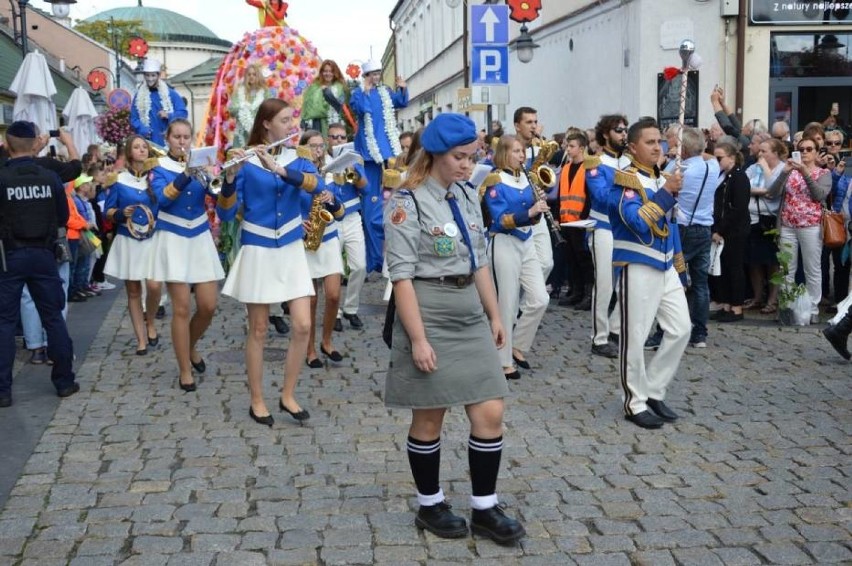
{"points": [[732, 282], [579, 258], [841, 274]]}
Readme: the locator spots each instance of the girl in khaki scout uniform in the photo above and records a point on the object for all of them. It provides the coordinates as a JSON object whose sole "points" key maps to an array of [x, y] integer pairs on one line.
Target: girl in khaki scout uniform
{"points": [[447, 329]]}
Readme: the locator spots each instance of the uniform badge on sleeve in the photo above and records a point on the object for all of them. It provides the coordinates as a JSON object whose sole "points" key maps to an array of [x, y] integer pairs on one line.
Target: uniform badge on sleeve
{"points": [[398, 216], [629, 193], [493, 193], [593, 172]]}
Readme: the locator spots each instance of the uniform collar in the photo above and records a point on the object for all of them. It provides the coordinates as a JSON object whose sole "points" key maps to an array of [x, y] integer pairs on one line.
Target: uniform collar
{"points": [[611, 152], [652, 172]]}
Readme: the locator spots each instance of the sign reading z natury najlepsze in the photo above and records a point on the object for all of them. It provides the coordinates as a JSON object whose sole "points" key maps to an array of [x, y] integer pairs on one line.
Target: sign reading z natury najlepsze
{"points": [[799, 12]]}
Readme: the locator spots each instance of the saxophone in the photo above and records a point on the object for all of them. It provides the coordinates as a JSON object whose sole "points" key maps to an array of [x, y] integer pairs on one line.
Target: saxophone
{"points": [[318, 218], [542, 177]]}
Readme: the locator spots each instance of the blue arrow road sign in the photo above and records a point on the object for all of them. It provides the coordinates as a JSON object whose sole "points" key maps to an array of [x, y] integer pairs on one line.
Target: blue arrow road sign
{"points": [[489, 24]]}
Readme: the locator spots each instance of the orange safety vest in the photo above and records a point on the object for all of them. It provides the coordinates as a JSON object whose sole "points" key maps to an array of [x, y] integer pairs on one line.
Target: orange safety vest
{"points": [[572, 195]]}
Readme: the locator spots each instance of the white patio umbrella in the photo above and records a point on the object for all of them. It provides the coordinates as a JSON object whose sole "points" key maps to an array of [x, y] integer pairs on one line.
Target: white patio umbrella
{"points": [[80, 116], [34, 88]]}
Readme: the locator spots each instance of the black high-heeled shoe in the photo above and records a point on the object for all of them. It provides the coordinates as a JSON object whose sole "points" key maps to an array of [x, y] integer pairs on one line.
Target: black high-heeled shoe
{"points": [[141, 351], [200, 367], [154, 341], [314, 363], [267, 420], [521, 363], [188, 387], [300, 416], [334, 355]]}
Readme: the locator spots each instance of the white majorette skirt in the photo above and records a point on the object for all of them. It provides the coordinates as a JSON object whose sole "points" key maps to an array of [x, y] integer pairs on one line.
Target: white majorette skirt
{"points": [[178, 259], [267, 276], [129, 259], [327, 260]]}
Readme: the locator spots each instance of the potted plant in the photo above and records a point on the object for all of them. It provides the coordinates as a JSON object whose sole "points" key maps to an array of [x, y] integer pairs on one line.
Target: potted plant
{"points": [[788, 292]]}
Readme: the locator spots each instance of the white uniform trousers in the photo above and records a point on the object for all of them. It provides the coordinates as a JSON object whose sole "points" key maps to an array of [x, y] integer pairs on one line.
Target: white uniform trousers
{"points": [[645, 293], [603, 323], [351, 233], [515, 267], [543, 248]]}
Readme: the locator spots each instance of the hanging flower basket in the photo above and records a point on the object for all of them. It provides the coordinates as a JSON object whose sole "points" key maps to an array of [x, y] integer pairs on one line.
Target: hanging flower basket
{"points": [[114, 125]]}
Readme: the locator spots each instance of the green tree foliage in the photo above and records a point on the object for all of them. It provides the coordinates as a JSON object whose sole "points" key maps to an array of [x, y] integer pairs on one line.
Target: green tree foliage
{"points": [[102, 32]]}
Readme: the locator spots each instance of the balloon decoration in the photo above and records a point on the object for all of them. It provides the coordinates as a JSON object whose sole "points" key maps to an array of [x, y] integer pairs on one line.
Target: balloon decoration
{"points": [[289, 63]]}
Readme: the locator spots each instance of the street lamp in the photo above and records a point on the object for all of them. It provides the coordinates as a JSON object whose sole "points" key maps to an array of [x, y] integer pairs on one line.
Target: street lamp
{"points": [[21, 14], [61, 8], [525, 45]]}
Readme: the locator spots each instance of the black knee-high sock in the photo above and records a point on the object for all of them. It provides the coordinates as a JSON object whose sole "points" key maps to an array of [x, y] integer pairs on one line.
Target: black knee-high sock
{"points": [[483, 456], [424, 457]]}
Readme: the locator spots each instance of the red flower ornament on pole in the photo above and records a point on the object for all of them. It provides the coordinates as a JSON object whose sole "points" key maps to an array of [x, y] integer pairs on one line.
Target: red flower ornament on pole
{"points": [[353, 71], [523, 11], [97, 79], [138, 47]]}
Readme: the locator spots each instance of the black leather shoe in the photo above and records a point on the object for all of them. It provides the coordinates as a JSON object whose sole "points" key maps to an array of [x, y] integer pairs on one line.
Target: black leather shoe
{"points": [[300, 416], [153, 341], [267, 420], [606, 350], [521, 363], [494, 524], [513, 375], [161, 313], [645, 419], [141, 351], [314, 363], [338, 325], [188, 387], [200, 367], [280, 324], [662, 410], [354, 321], [334, 355], [69, 391], [5, 402], [440, 521]]}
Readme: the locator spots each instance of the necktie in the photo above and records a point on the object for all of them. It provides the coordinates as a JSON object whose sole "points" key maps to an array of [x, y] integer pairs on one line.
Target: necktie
{"points": [[457, 216]]}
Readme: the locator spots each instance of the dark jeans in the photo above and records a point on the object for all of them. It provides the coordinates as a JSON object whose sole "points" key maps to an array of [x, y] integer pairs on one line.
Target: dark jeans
{"points": [[79, 271], [37, 268], [732, 283], [695, 241], [579, 258], [841, 274]]}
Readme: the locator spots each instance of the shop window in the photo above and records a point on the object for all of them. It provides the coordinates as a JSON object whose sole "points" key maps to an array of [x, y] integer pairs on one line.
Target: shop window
{"points": [[810, 55]]}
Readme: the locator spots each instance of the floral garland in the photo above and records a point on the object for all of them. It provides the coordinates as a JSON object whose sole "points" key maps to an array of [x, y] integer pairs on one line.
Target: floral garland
{"points": [[143, 102], [248, 108], [391, 130]]}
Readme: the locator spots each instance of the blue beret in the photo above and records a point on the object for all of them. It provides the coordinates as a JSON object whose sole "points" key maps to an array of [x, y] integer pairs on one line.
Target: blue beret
{"points": [[21, 129], [447, 131]]}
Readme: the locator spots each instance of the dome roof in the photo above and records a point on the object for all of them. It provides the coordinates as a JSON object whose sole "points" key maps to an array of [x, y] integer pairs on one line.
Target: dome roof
{"points": [[165, 25]]}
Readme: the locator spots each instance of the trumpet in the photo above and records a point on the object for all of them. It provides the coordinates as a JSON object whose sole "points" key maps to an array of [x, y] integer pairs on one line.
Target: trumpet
{"points": [[351, 176]]}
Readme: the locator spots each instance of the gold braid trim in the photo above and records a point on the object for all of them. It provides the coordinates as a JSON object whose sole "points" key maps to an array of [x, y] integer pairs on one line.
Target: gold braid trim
{"points": [[391, 179], [507, 221], [309, 182], [392, 163], [150, 163], [339, 179], [627, 179], [679, 263], [591, 162], [304, 152], [111, 179], [492, 179], [340, 212], [171, 192], [226, 202]]}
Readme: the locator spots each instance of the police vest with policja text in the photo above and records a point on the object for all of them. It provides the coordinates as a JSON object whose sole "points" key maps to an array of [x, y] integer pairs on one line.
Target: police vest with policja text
{"points": [[27, 206]]}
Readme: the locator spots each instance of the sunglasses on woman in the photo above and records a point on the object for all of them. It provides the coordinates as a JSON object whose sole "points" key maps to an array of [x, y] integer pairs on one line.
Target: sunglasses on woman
{"points": [[807, 148]]}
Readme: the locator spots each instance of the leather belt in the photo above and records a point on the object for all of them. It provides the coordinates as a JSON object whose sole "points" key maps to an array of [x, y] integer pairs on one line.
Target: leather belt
{"points": [[459, 281]]}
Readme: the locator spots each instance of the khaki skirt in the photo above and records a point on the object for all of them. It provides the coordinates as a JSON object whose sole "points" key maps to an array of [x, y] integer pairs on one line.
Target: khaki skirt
{"points": [[468, 369]]}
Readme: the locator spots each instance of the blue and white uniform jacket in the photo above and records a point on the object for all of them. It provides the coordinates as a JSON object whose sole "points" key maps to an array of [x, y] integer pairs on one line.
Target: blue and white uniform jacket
{"points": [[600, 177], [364, 103], [349, 194], [182, 208], [271, 209], [156, 128], [642, 231], [127, 189], [508, 199]]}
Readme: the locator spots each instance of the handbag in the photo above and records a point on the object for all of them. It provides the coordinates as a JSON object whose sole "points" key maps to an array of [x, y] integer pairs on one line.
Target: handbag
{"points": [[833, 229], [765, 221], [87, 243]]}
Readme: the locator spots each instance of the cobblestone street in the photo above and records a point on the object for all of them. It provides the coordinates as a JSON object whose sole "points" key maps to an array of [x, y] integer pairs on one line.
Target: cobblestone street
{"points": [[133, 471]]}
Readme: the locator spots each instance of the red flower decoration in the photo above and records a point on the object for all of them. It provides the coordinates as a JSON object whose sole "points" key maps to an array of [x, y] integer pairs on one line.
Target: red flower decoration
{"points": [[97, 79], [670, 72], [138, 47], [353, 70], [524, 10]]}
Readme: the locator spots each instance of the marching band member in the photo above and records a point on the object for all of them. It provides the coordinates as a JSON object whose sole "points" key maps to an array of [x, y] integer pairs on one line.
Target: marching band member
{"points": [[611, 136], [184, 253], [444, 351], [271, 265], [377, 141], [350, 230], [648, 259], [324, 262], [513, 209], [155, 105], [132, 204]]}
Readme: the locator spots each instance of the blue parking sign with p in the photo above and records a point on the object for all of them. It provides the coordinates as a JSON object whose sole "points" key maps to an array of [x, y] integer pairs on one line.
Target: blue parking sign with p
{"points": [[489, 65]]}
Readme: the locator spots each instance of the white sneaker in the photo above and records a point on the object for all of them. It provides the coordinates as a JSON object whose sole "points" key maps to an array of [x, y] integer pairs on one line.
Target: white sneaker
{"points": [[106, 286]]}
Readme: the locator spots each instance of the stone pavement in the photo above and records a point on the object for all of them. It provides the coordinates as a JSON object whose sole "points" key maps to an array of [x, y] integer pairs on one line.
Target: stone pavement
{"points": [[134, 471]]}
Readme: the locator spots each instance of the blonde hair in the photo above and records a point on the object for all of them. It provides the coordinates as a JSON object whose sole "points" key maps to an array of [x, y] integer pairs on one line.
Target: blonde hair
{"points": [[503, 149]]}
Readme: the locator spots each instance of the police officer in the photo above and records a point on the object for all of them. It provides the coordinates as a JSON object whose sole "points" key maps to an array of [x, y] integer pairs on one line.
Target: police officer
{"points": [[32, 208], [647, 258]]}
